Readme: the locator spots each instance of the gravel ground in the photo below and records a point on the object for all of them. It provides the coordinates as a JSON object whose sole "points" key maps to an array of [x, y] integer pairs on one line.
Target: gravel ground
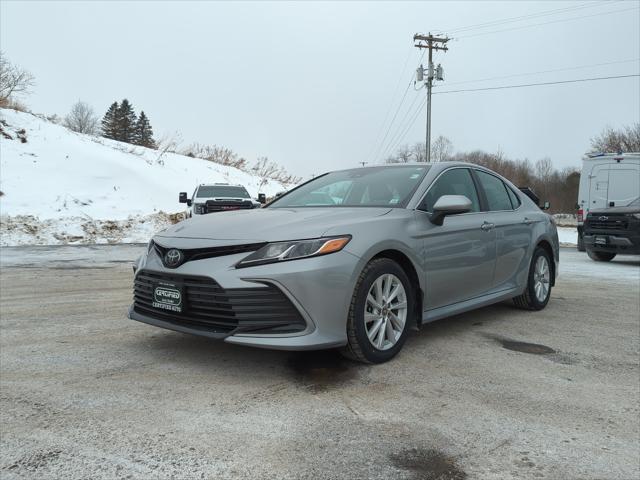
{"points": [[86, 393]]}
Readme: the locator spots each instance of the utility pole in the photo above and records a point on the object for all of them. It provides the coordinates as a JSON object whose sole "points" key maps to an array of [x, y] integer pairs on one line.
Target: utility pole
{"points": [[432, 43], [363, 163]]}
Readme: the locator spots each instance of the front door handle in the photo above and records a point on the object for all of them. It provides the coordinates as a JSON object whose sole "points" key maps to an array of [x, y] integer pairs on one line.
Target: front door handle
{"points": [[486, 226], [527, 221]]}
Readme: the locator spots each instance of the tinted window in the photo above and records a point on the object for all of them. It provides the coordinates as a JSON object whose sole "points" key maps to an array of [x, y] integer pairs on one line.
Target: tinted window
{"points": [[360, 187], [495, 190], [222, 191], [515, 201], [452, 182]]}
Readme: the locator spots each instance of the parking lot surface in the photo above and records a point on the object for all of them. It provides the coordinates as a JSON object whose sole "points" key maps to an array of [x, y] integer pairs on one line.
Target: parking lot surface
{"points": [[493, 394]]}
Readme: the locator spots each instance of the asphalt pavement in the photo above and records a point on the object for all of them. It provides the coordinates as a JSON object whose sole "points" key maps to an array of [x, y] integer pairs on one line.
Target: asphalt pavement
{"points": [[497, 393]]}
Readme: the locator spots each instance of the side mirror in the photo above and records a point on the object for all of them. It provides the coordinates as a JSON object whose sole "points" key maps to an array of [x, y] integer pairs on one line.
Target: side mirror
{"points": [[449, 205], [262, 198], [183, 197], [546, 206]]}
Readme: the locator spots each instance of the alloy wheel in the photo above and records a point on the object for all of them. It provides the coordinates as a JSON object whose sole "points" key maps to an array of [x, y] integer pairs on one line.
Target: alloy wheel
{"points": [[385, 311], [541, 278]]}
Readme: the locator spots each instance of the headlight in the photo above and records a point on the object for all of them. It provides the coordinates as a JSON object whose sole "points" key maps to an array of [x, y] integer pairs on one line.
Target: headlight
{"points": [[282, 251], [634, 215]]}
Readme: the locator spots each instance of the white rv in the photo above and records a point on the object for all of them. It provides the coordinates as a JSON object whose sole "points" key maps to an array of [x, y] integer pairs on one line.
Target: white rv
{"points": [[607, 180]]}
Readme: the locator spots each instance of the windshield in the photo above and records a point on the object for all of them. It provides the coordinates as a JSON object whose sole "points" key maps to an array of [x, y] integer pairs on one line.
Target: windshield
{"points": [[361, 187], [222, 191]]}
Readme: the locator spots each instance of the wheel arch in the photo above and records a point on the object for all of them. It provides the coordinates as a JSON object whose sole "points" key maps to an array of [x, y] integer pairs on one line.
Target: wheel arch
{"points": [[409, 268]]}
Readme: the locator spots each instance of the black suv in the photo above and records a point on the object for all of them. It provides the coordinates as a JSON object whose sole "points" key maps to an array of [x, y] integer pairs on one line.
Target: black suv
{"points": [[610, 231]]}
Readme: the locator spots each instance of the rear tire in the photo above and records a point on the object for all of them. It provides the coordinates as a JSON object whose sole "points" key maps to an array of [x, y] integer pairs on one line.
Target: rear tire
{"points": [[600, 256], [538, 291], [384, 295]]}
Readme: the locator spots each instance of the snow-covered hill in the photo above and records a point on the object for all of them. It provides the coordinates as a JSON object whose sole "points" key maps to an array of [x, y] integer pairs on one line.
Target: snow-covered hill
{"points": [[59, 186]]}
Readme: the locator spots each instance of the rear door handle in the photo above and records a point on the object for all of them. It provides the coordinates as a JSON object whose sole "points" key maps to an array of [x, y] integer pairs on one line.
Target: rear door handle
{"points": [[486, 226]]}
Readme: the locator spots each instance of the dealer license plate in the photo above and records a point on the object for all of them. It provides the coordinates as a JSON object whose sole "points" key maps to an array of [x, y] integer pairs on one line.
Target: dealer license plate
{"points": [[168, 296], [601, 240]]}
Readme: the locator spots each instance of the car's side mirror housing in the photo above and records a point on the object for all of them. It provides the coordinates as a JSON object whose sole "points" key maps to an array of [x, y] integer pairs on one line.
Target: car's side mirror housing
{"points": [[183, 199], [449, 205], [262, 198]]}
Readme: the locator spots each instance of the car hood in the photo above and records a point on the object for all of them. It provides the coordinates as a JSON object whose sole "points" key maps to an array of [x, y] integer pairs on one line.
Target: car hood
{"points": [[269, 224]]}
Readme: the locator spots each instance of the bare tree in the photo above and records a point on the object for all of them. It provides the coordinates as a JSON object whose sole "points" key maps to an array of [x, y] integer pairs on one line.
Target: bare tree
{"points": [[419, 152], [402, 155], [441, 149], [13, 80], [82, 119], [627, 139]]}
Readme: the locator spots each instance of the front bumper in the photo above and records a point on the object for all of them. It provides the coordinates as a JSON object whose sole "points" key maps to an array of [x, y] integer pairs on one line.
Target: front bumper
{"points": [[615, 243], [320, 289]]}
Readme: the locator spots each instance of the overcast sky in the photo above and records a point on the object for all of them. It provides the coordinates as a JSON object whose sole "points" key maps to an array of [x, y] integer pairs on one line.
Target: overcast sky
{"points": [[310, 84]]}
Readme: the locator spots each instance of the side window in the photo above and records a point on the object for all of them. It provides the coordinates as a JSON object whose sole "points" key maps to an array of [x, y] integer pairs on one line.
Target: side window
{"points": [[495, 190], [457, 181], [515, 201]]}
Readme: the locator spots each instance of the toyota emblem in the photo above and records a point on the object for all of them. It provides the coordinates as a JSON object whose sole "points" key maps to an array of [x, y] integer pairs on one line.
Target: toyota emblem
{"points": [[173, 258], [603, 217]]}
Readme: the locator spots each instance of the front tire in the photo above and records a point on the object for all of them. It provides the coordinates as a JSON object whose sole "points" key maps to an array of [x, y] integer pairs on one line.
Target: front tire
{"points": [[382, 308], [600, 256], [538, 291]]}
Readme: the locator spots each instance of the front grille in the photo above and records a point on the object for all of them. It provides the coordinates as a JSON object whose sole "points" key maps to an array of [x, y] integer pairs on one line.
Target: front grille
{"points": [[221, 205], [611, 223], [210, 252], [210, 307]]}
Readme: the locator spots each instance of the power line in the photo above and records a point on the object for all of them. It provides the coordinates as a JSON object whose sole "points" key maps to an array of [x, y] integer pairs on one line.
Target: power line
{"points": [[419, 109], [395, 91], [407, 127], [395, 114], [520, 18], [546, 23], [401, 126], [545, 71], [542, 83]]}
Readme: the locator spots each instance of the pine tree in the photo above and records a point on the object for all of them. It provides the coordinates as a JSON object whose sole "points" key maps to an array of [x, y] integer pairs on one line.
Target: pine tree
{"points": [[125, 119], [143, 134], [108, 126]]}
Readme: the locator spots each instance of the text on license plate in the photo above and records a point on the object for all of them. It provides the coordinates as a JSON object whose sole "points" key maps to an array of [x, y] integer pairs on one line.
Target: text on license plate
{"points": [[167, 296]]}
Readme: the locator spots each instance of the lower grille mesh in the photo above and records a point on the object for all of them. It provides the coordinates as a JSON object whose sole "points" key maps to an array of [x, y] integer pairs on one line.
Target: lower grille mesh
{"points": [[208, 306]]}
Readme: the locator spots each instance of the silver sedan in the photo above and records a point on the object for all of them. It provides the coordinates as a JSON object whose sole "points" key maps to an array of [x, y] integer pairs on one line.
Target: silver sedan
{"points": [[351, 259]]}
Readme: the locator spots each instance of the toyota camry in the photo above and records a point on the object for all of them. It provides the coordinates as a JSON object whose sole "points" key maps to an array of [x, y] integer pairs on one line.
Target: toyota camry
{"points": [[352, 259]]}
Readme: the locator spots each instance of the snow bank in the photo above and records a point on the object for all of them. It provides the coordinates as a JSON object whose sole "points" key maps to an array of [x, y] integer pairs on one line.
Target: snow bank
{"points": [[59, 183], [568, 236]]}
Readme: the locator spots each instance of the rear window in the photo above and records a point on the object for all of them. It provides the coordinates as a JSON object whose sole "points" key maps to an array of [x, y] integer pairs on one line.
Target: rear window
{"points": [[495, 191], [515, 201], [228, 191]]}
